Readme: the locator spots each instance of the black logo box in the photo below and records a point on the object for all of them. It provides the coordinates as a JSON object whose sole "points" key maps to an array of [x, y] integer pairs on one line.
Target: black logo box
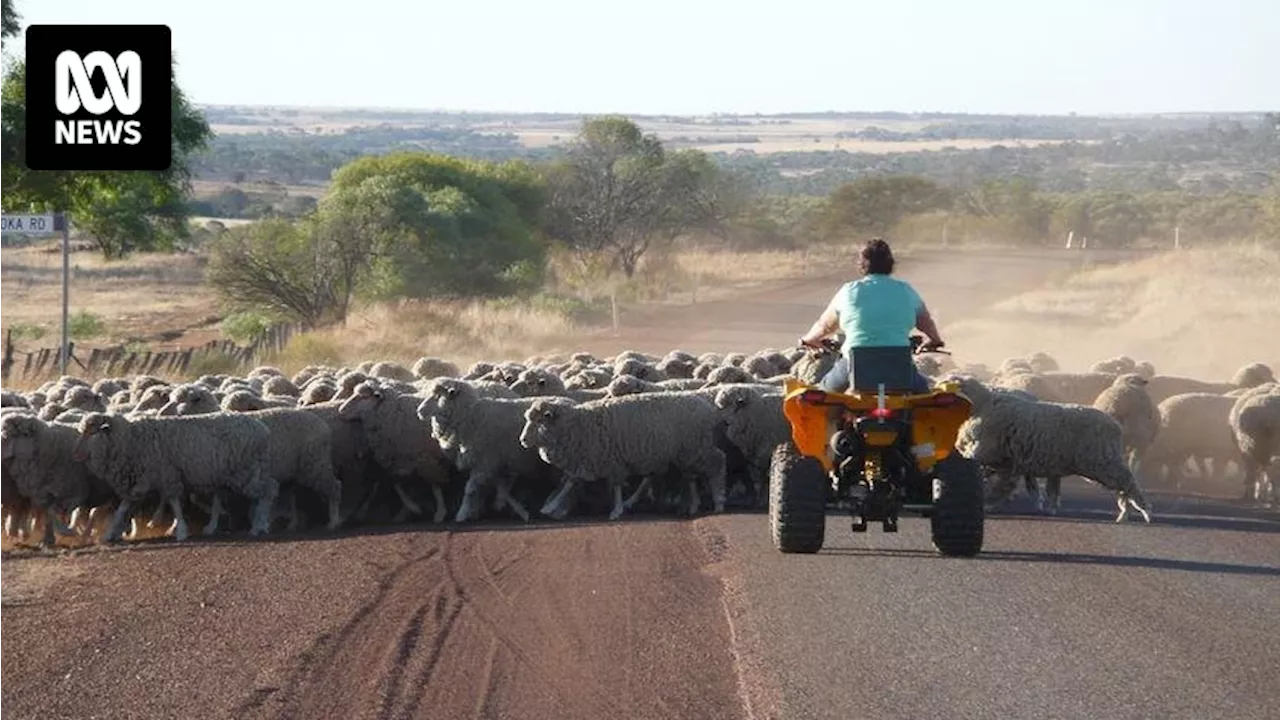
{"points": [[153, 44]]}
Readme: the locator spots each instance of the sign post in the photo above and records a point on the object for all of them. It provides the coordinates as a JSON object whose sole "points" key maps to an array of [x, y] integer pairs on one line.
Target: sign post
{"points": [[47, 224]]}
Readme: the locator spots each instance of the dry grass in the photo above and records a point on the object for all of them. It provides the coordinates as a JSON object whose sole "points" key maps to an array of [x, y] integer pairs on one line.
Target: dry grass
{"points": [[579, 302], [155, 298], [1202, 313]]}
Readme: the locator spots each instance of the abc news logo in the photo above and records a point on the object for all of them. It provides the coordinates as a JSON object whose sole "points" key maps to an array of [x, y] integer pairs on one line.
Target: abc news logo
{"points": [[99, 97]]}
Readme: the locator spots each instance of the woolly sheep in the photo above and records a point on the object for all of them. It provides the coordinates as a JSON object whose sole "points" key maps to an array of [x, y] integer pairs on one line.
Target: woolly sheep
{"points": [[106, 387], [590, 379], [175, 455], [427, 368], [1162, 387], [265, 371], [813, 366], [1128, 403], [318, 392], [347, 384], [676, 367], [393, 371], [755, 424], [1059, 387], [1255, 425], [728, 374], [399, 441], [735, 359], [1120, 365], [278, 387], [38, 459], [246, 401], [1193, 426], [1051, 440], [8, 398], [631, 385], [638, 368], [1253, 375], [617, 438], [535, 382], [483, 435], [1042, 362], [191, 399]]}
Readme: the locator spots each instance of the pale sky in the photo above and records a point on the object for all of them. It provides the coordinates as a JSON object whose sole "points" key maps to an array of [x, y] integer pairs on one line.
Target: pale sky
{"points": [[693, 57]]}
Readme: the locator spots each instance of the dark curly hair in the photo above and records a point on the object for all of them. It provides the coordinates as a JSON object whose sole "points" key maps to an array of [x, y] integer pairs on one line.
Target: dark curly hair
{"points": [[876, 258]]}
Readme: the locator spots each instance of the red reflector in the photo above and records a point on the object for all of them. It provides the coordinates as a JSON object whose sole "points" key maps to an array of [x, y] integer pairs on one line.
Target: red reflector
{"points": [[813, 396], [880, 413]]}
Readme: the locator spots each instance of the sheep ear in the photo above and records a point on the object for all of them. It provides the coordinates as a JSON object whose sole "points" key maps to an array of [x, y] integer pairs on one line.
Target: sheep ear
{"points": [[105, 426], [377, 394], [542, 381], [548, 413], [741, 400], [452, 391]]}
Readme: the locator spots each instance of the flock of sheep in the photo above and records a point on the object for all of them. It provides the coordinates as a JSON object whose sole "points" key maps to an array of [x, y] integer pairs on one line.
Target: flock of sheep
{"points": [[380, 442]]}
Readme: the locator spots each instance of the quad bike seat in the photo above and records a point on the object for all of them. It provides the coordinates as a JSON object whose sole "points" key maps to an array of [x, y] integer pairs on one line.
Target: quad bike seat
{"points": [[871, 367]]}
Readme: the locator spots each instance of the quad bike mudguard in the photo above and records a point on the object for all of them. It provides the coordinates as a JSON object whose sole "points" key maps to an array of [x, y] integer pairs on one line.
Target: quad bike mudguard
{"points": [[815, 414]]}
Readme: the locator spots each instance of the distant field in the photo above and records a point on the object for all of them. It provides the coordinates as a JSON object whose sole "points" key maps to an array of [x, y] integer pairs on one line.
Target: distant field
{"points": [[761, 134]]}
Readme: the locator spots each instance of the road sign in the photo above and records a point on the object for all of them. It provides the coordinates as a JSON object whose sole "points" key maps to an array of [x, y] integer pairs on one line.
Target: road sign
{"points": [[31, 224]]}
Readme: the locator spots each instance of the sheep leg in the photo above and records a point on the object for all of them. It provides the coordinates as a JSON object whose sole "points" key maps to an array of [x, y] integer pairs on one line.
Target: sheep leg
{"points": [[263, 503], [442, 511], [215, 513], [645, 486], [180, 530], [618, 505], [549, 507], [695, 498], [557, 506], [116, 527], [409, 504], [293, 512], [156, 516], [468, 509], [1053, 489], [517, 507]]}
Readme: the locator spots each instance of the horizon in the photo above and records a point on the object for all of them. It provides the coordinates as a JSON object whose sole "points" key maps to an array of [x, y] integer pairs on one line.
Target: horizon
{"points": [[1091, 58]]}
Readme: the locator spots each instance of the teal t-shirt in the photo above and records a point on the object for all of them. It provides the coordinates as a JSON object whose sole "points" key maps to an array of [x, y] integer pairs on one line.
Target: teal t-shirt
{"points": [[876, 311]]}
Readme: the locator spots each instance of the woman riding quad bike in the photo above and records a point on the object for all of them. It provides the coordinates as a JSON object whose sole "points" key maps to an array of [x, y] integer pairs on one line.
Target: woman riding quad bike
{"points": [[876, 314]]}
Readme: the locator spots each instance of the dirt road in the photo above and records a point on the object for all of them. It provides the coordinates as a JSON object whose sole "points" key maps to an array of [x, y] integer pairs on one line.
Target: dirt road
{"points": [[657, 618]]}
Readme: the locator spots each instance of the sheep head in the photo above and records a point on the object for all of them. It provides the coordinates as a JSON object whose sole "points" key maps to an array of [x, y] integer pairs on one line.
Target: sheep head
{"points": [[444, 394], [733, 399], [1132, 379], [541, 420], [95, 429], [365, 398], [191, 399], [19, 435], [534, 381]]}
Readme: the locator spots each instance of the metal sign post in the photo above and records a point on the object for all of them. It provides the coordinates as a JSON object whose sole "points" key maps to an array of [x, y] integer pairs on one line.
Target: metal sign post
{"points": [[47, 224]]}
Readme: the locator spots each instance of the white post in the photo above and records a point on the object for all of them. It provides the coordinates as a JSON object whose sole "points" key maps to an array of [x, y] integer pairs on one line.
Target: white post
{"points": [[613, 304], [1071, 234], [1177, 237], [66, 272], [1084, 242]]}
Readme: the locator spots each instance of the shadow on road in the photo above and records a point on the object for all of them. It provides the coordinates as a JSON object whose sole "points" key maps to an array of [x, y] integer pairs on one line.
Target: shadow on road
{"points": [[1070, 559]]}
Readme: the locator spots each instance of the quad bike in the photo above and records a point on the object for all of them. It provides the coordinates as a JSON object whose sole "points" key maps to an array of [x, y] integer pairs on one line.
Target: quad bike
{"points": [[876, 453]]}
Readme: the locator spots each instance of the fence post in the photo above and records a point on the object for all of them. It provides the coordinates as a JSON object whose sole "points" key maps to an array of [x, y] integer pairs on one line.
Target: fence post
{"points": [[613, 305], [1071, 234], [7, 364]]}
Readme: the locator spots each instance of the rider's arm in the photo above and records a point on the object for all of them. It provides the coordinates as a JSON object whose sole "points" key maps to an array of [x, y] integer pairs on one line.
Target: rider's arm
{"points": [[828, 323], [924, 321]]}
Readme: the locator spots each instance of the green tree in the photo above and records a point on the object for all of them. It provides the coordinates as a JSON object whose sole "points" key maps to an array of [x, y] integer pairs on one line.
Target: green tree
{"points": [[276, 267], [617, 192], [433, 225], [873, 204], [124, 211]]}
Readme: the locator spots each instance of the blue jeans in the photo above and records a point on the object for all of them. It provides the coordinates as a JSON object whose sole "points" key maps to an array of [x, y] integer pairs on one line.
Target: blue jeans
{"points": [[837, 378]]}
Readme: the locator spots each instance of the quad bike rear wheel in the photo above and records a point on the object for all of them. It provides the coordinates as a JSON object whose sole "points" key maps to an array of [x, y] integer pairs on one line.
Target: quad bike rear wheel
{"points": [[958, 507], [797, 500]]}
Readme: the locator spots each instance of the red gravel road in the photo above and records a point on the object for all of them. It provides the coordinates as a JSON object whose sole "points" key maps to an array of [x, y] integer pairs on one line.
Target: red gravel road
{"points": [[579, 621]]}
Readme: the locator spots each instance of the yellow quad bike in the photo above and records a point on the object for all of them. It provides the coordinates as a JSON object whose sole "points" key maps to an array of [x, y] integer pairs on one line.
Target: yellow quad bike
{"points": [[876, 453]]}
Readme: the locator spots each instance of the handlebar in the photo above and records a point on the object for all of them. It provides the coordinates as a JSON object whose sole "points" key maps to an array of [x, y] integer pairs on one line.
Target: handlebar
{"points": [[918, 346]]}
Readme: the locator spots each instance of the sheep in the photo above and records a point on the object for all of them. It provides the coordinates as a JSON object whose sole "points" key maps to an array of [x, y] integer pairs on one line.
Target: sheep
{"points": [[755, 424], [1127, 402], [478, 370], [540, 383], [1253, 375], [280, 387], [392, 371], [191, 399], [617, 438], [427, 368], [347, 383], [1120, 365], [1014, 366], [676, 367], [1051, 440], [590, 379], [1163, 387], [813, 366], [1255, 425], [151, 400], [174, 455], [106, 387], [630, 385], [399, 441], [1059, 387], [728, 375], [1042, 362], [38, 460], [1194, 426], [638, 368], [318, 392], [246, 401], [483, 435], [735, 359], [265, 371], [8, 398]]}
